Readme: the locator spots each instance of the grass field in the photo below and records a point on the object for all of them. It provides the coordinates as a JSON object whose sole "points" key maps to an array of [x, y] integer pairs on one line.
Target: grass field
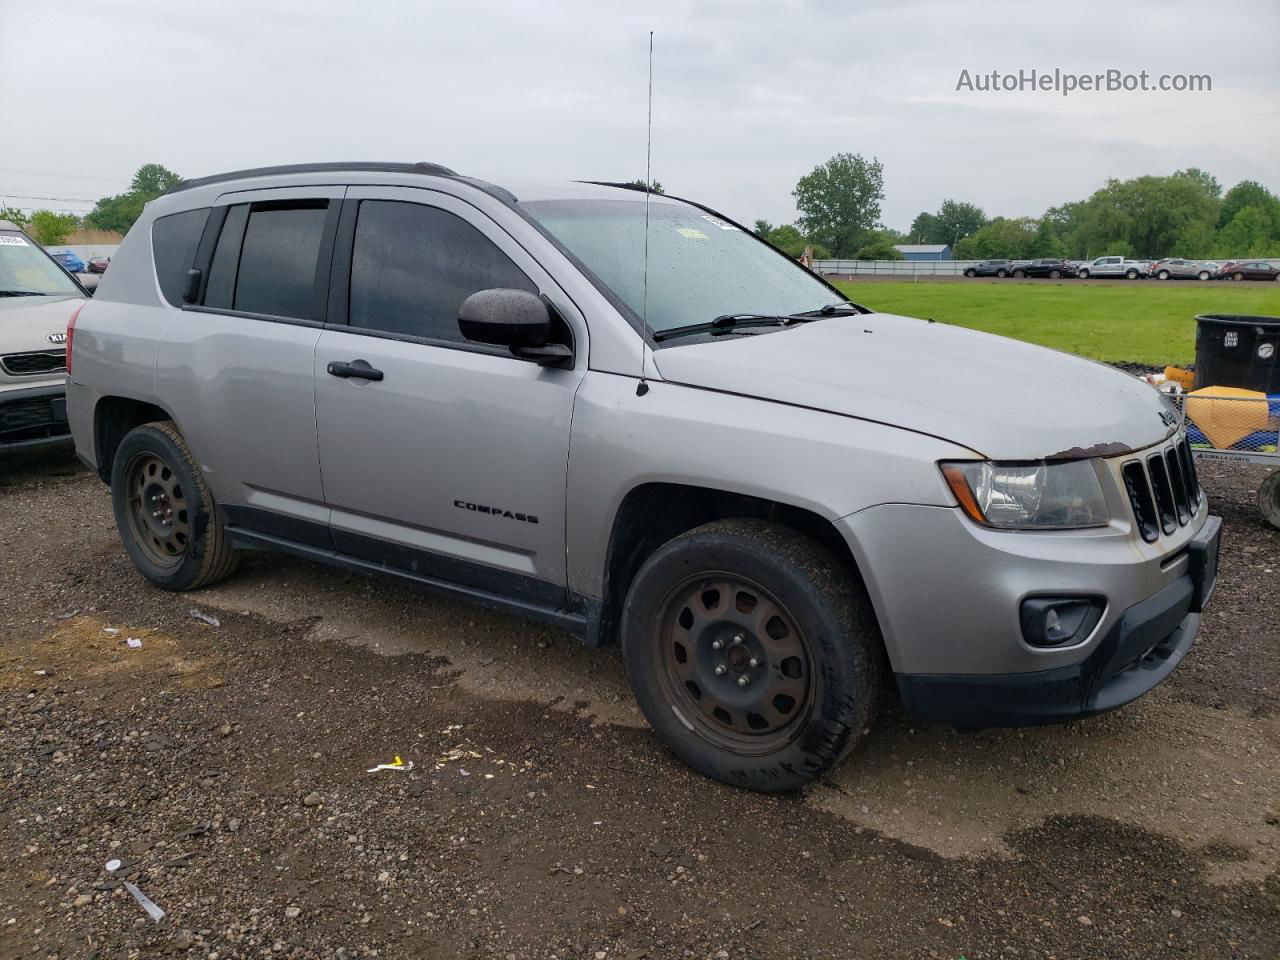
{"points": [[1146, 322]]}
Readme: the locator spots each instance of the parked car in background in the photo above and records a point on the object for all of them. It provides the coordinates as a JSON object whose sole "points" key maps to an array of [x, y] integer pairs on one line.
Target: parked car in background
{"points": [[70, 262], [37, 299], [989, 268], [496, 419], [99, 264], [1252, 270], [1115, 267], [1050, 267], [1173, 268]]}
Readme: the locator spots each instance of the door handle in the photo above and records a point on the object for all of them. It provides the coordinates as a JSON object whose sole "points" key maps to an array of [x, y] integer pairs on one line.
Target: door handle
{"points": [[356, 369]]}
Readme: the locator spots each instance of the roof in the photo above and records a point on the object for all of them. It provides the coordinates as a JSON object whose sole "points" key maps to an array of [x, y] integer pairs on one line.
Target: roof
{"points": [[6, 225], [431, 169], [921, 247]]}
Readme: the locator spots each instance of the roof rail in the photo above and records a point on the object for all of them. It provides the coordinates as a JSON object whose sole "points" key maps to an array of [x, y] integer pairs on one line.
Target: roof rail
{"points": [[428, 169]]}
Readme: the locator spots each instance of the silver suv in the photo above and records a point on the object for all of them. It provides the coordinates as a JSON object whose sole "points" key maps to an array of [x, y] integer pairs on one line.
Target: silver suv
{"points": [[764, 492], [37, 298]]}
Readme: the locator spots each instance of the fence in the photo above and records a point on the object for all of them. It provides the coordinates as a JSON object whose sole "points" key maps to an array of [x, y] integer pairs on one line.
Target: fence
{"points": [[894, 268]]}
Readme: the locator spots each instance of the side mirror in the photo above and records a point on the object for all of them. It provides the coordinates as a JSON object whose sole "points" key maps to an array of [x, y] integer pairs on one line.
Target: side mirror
{"points": [[512, 318]]}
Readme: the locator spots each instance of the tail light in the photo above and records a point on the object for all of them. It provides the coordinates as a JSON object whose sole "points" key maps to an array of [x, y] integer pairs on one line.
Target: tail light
{"points": [[71, 334]]}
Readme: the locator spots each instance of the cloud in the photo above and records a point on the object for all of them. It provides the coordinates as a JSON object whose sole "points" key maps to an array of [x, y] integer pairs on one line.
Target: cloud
{"points": [[748, 96]]}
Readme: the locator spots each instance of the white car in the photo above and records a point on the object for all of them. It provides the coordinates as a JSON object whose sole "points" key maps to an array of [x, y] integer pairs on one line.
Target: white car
{"points": [[37, 299], [1115, 267]]}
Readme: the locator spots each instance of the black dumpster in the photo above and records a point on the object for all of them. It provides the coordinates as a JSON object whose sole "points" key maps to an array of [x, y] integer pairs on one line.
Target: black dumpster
{"points": [[1238, 351]]}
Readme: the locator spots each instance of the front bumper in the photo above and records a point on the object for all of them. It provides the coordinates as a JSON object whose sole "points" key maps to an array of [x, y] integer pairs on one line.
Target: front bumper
{"points": [[33, 417]]}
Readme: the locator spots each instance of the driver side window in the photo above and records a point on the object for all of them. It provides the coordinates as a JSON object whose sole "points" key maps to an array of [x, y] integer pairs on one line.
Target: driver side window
{"points": [[412, 266]]}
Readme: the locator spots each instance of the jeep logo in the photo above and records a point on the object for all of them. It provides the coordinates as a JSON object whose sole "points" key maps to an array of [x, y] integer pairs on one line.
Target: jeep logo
{"points": [[57, 338], [1168, 418]]}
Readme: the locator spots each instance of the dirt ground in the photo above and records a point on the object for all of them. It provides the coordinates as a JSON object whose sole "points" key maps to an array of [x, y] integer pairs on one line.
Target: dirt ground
{"points": [[226, 767]]}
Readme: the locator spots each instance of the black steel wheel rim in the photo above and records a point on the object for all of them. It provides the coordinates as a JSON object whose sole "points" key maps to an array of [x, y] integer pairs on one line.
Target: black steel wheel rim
{"points": [[157, 508], [735, 666]]}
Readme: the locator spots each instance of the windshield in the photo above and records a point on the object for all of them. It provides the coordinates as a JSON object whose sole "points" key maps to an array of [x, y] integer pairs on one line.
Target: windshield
{"points": [[700, 267], [25, 270]]}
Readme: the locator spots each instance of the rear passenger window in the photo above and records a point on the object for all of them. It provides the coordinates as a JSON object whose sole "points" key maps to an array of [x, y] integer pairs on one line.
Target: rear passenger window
{"points": [[174, 240], [413, 265], [267, 259]]}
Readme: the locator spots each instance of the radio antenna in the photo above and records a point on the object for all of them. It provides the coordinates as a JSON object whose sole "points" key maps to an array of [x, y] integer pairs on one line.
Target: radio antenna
{"points": [[643, 387]]}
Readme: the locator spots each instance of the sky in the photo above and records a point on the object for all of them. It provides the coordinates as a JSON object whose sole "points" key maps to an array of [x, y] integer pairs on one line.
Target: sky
{"points": [[747, 96]]}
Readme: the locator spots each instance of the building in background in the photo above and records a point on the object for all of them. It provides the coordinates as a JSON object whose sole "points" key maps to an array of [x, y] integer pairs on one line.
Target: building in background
{"points": [[924, 251]]}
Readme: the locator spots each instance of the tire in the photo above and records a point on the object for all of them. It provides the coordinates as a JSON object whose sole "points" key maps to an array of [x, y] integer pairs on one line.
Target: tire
{"points": [[1131, 275], [188, 547], [1055, 274], [1083, 274], [1019, 274], [1237, 276], [971, 273], [1001, 274], [788, 618], [1162, 275], [1269, 499]]}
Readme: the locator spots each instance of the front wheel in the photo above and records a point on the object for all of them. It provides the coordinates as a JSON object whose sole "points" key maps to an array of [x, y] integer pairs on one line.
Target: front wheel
{"points": [[165, 513], [753, 653], [1084, 274], [1001, 274], [1055, 274], [1019, 274], [1162, 275], [1237, 276], [971, 273], [1203, 275]]}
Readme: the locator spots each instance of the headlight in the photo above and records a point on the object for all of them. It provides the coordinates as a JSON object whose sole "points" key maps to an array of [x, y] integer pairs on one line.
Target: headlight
{"points": [[1043, 496]]}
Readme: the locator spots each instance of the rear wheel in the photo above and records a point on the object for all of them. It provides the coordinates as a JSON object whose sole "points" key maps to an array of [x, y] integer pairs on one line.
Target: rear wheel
{"points": [[1019, 274], [1269, 499], [1203, 275], [165, 513], [1237, 276], [971, 273], [752, 652], [1084, 274], [1002, 274], [1131, 275], [1162, 275]]}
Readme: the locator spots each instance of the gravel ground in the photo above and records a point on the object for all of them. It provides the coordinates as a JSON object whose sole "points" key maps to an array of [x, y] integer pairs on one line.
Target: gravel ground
{"points": [[225, 766]]}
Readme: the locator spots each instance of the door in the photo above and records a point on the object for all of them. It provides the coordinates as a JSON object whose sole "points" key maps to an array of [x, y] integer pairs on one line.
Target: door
{"points": [[452, 465], [237, 365]]}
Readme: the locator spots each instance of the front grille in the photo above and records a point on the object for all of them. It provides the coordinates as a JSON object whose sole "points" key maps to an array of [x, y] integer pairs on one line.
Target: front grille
{"points": [[1163, 490], [34, 364]]}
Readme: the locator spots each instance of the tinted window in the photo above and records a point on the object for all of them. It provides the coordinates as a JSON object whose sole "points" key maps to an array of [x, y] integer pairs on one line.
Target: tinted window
{"points": [[413, 265], [278, 259], [221, 289], [173, 245]]}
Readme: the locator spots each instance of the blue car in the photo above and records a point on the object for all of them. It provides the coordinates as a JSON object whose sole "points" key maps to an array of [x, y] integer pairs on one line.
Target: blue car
{"points": [[69, 260]]}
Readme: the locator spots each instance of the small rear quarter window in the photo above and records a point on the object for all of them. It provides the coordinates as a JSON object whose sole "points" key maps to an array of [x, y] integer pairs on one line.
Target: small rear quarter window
{"points": [[174, 240]]}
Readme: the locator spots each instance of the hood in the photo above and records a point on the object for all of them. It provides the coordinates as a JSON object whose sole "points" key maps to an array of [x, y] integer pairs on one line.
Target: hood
{"points": [[26, 324], [1001, 398]]}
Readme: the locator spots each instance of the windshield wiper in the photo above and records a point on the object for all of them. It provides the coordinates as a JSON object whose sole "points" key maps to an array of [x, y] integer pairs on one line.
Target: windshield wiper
{"points": [[842, 306], [730, 321], [22, 293]]}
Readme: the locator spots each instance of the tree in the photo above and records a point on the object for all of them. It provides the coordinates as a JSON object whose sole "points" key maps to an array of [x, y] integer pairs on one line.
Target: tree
{"points": [[924, 228], [1208, 182], [1009, 239], [49, 228], [1247, 235], [762, 228], [1248, 193], [792, 242], [839, 201], [154, 179], [14, 216], [879, 247], [119, 212], [1145, 217], [638, 183], [954, 219], [1046, 242]]}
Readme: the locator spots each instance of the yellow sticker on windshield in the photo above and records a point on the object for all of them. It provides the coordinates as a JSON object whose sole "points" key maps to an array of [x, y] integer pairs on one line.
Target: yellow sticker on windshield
{"points": [[690, 233]]}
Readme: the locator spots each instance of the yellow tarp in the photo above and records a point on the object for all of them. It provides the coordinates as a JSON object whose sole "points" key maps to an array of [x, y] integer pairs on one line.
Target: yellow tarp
{"points": [[1226, 415]]}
